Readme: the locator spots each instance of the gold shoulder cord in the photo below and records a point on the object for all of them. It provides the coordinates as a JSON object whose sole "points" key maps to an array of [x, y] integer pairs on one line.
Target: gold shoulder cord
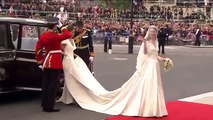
{"points": [[77, 39], [39, 52]]}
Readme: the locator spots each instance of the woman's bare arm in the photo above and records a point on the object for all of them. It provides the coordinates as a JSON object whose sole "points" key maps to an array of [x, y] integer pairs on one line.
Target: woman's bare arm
{"points": [[145, 47], [161, 58]]}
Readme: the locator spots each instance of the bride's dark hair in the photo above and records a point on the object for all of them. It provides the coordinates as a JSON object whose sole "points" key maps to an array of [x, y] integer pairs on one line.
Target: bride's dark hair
{"points": [[147, 33]]}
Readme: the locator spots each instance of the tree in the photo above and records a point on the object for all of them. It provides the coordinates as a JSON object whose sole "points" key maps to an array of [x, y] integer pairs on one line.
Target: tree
{"points": [[118, 4], [108, 2]]}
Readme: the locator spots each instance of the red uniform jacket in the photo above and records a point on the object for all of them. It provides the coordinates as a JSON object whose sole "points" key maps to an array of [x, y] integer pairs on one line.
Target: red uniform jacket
{"points": [[51, 41]]}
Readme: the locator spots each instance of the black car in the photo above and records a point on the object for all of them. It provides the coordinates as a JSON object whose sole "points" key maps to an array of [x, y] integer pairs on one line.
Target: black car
{"points": [[18, 67]]}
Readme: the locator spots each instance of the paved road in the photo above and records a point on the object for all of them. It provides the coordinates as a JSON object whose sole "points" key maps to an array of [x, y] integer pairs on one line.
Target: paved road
{"points": [[192, 75]]}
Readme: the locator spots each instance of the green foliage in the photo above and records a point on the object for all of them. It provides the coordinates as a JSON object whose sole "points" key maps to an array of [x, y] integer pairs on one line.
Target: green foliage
{"points": [[3, 14], [121, 4], [201, 21], [118, 4]]}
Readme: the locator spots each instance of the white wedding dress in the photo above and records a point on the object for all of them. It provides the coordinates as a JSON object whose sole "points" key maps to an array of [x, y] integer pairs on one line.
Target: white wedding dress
{"points": [[141, 95]]}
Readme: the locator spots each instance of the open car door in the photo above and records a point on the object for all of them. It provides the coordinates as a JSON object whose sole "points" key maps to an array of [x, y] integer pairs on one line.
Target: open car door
{"points": [[7, 56], [26, 65]]}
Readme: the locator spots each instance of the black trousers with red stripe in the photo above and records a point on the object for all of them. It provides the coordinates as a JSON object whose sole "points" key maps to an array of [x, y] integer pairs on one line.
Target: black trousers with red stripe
{"points": [[50, 82]]}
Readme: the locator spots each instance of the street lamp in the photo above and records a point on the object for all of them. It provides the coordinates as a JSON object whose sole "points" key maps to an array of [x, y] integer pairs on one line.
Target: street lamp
{"points": [[131, 39]]}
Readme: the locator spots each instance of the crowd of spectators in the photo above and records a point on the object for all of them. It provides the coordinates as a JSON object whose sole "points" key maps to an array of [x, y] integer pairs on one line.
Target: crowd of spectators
{"points": [[178, 31], [94, 17], [28, 8]]}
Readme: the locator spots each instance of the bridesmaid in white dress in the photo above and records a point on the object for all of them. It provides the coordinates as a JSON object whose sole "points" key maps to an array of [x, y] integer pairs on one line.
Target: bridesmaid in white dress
{"points": [[142, 95]]}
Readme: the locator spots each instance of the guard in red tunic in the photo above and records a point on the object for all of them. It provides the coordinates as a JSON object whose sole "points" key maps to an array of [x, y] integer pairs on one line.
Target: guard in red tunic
{"points": [[51, 62]]}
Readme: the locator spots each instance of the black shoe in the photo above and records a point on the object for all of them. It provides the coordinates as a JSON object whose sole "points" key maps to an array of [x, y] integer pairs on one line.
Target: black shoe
{"points": [[51, 110]]}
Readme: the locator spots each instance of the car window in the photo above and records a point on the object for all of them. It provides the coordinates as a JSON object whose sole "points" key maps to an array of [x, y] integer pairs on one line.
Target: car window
{"points": [[42, 29], [14, 28], [3, 38], [29, 37]]}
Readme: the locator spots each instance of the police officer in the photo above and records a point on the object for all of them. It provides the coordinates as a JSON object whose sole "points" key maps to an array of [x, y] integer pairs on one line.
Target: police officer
{"points": [[161, 40], [108, 40], [51, 62], [84, 44], [169, 32]]}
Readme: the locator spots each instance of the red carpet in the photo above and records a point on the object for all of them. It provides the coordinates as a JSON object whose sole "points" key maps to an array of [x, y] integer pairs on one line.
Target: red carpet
{"points": [[178, 110]]}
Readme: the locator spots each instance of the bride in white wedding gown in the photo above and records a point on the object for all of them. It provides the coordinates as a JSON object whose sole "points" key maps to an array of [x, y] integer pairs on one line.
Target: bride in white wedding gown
{"points": [[141, 95]]}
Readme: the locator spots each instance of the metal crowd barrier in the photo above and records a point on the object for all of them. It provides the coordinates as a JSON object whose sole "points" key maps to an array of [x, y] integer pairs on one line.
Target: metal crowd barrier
{"points": [[174, 40], [189, 40], [207, 39], [116, 38]]}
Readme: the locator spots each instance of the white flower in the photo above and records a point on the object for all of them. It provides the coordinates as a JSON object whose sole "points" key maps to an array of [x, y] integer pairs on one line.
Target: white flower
{"points": [[168, 64]]}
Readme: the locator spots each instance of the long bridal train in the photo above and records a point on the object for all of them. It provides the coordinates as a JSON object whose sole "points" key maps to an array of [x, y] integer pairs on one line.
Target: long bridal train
{"points": [[141, 95]]}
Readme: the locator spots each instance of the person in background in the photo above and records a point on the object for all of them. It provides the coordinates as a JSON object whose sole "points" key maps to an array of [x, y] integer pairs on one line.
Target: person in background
{"points": [[108, 40], [162, 35], [197, 36], [169, 32]]}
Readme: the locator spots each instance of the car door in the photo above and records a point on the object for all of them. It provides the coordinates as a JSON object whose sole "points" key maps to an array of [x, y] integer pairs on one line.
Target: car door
{"points": [[7, 56], [28, 74]]}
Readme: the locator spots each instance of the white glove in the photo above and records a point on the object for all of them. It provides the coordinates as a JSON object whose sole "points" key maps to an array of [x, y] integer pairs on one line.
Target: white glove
{"points": [[64, 27], [60, 24], [40, 66], [91, 59]]}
